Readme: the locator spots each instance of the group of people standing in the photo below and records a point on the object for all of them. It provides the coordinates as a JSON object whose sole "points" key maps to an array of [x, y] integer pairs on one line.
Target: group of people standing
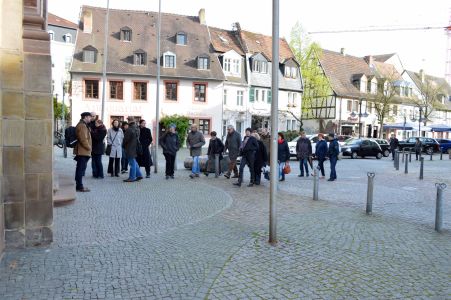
{"points": [[127, 146], [322, 153]]}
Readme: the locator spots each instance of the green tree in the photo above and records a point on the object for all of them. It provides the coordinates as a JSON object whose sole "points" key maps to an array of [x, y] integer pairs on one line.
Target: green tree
{"points": [[181, 123], [58, 110], [316, 85]]}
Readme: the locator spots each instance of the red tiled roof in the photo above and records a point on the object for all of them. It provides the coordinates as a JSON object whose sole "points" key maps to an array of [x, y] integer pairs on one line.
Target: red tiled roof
{"points": [[259, 43], [225, 40], [58, 21]]}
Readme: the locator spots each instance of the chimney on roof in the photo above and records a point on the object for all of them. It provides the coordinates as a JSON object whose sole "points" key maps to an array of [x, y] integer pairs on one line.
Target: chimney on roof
{"points": [[369, 60], [202, 19], [422, 75], [87, 21], [236, 27], [342, 51]]}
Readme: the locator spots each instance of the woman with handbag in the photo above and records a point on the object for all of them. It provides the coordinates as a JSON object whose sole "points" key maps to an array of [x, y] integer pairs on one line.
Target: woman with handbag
{"points": [[115, 136], [283, 157]]}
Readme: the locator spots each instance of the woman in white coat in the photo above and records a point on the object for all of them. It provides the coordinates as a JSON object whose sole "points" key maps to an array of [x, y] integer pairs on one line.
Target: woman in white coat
{"points": [[115, 136]]}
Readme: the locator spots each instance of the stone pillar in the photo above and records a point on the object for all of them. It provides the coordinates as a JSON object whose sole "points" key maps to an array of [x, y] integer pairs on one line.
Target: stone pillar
{"points": [[26, 123]]}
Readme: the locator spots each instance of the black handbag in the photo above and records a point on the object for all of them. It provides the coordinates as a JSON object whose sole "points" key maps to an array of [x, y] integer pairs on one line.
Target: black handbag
{"points": [[108, 147]]}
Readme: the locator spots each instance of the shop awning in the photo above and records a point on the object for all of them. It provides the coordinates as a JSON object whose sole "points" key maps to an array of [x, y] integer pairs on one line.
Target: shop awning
{"points": [[398, 126], [440, 127]]}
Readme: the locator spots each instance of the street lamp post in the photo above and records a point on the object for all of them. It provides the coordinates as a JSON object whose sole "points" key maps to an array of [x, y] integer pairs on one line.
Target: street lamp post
{"points": [[419, 122]]}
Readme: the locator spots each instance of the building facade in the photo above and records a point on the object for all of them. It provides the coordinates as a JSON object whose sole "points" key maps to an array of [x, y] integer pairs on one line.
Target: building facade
{"points": [[63, 35], [191, 75], [246, 60], [360, 90]]}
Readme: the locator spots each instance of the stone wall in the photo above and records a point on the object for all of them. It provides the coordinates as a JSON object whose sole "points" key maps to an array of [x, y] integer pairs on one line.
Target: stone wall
{"points": [[26, 124]]}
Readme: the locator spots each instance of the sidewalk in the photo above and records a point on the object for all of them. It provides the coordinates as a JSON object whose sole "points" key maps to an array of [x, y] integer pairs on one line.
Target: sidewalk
{"points": [[185, 239]]}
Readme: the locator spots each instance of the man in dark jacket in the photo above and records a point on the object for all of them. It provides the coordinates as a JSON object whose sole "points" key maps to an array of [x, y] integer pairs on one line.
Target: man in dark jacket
{"points": [[321, 153], [215, 147], [82, 150], [303, 152], [98, 148], [261, 159], [394, 144], [247, 149], [92, 127], [131, 140], [195, 141], [145, 138], [332, 153], [170, 143], [232, 144]]}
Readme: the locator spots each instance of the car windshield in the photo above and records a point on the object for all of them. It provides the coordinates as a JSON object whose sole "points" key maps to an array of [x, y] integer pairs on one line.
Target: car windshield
{"points": [[352, 142]]}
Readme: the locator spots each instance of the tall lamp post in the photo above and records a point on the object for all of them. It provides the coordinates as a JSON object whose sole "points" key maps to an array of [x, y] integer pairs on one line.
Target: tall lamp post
{"points": [[157, 100]]}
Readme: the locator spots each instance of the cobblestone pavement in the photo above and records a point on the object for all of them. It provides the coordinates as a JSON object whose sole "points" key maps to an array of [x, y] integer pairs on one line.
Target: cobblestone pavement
{"points": [[176, 239]]}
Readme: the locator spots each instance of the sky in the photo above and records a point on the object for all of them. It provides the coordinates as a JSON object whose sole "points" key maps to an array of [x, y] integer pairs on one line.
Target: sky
{"points": [[419, 49]]}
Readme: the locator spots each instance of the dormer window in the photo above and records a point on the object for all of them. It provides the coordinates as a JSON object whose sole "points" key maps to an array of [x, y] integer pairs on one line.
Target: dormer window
{"points": [[181, 38], [363, 85], [126, 34], [139, 58], [68, 38], [259, 66], [203, 62], [169, 60], [90, 55], [290, 72], [52, 35]]}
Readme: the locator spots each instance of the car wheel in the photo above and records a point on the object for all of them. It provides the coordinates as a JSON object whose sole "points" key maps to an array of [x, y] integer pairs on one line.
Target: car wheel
{"points": [[354, 155], [429, 150], [386, 153], [379, 155]]}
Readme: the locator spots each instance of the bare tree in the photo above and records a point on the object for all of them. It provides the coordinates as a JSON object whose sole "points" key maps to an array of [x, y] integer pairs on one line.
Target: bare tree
{"points": [[431, 92]]}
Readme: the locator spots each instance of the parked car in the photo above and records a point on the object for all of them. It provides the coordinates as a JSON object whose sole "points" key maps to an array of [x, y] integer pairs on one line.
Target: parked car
{"points": [[361, 147], [385, 146], [445, 145], [430, 145]]}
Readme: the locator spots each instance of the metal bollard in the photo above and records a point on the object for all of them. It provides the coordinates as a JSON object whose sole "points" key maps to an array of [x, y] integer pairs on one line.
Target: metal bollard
{"points": [[410, 155], [316, 184], [441, 155], [397, 153], [406, 168], [369, 194], [439, 206], [421, 167], [431, 154], [216, 165], [403, 152]]}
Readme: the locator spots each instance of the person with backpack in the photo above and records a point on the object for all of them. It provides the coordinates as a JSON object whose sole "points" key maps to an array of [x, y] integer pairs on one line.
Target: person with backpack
{"points": [[303, 153], [215, 147], [98, 148], [115, 136], [82, 150]]}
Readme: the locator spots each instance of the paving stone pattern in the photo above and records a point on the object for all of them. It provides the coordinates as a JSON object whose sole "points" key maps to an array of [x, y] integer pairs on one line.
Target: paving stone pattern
{"points": [[206, 239]]}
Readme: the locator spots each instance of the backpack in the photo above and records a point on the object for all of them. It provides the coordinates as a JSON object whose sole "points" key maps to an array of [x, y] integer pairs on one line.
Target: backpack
{"points": [[70, 137]]}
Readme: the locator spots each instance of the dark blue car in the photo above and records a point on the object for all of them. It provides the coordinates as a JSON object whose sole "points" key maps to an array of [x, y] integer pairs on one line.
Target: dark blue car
{"points": [[445, 145]]}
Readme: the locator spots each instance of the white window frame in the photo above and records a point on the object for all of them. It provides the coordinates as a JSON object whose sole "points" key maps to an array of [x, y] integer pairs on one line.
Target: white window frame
{"points": [[52, 35], [227, 64], [205, 64], [68, 35], [239, 97], [224, 97], [165, 56], [236, 66]]}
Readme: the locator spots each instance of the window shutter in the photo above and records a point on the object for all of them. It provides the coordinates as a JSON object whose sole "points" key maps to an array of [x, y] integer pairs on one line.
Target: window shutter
{"points": [[269, 96], [252, 95]]}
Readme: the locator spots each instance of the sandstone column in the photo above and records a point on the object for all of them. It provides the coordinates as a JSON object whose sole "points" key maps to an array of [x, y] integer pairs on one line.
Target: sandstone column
{"points": [[26, 124]]}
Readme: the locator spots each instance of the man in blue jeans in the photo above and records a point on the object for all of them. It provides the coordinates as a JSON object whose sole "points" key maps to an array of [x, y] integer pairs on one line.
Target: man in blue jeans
{"points": [[195, 141], [332, 153], [131, 140]]}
